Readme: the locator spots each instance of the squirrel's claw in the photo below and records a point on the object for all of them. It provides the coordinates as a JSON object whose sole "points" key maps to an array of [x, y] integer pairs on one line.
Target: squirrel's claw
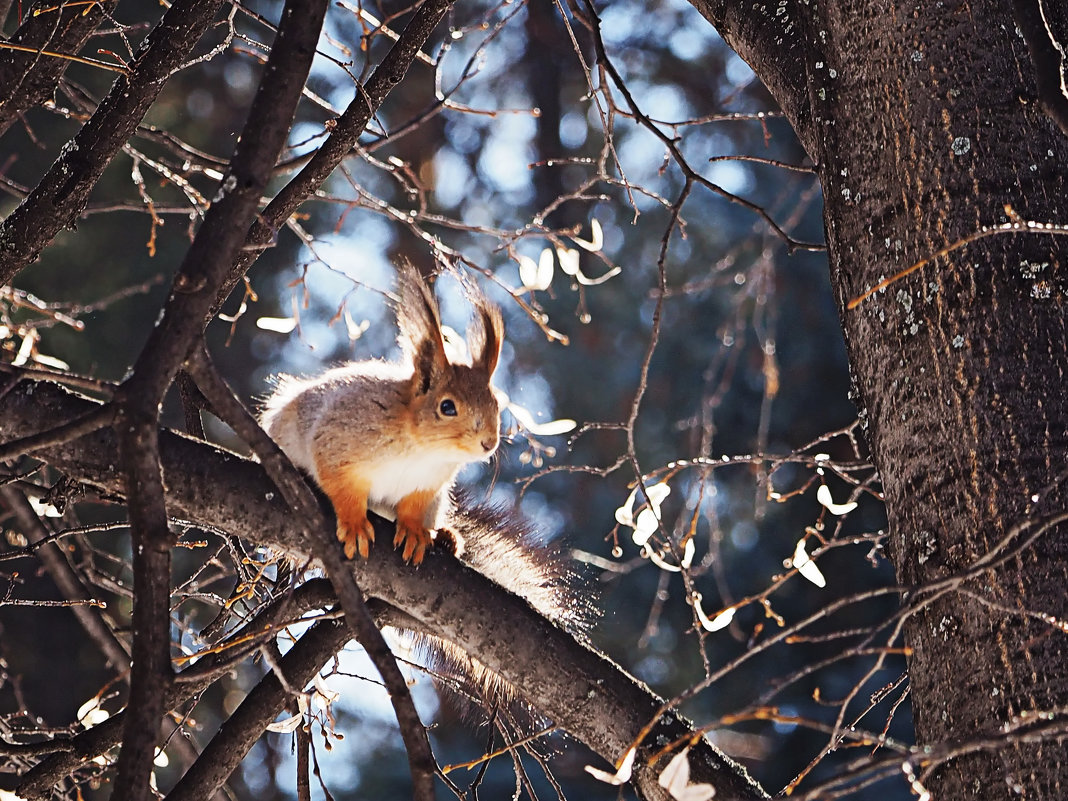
{"points": [[356, 536], [415, 540]]}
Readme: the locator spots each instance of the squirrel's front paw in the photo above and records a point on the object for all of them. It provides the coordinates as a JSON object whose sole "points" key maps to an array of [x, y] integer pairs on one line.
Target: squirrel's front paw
{"points": [[415, 538], [356, 535]]}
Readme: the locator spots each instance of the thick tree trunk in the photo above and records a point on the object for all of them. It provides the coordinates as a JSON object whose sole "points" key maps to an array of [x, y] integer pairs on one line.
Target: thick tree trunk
{"points": [[923, 123], [960, 367]]}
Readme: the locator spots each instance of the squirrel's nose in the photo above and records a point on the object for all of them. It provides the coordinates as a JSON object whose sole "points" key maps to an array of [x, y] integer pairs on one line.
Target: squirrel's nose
{"points": [[489, 443]]}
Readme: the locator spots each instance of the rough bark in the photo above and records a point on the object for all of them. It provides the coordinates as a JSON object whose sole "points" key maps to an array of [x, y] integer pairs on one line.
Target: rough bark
{"points": [[923, 121], [48, 31]]}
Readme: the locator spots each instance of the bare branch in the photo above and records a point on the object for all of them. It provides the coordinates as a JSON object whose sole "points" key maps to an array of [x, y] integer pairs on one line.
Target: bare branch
{"points": [[346, 133], [61, 195], [30, 75], [359, 618], [261, 706]]}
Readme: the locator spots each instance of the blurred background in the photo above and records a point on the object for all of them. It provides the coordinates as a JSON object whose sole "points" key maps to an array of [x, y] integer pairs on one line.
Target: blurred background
{"points": [[692, 344]]}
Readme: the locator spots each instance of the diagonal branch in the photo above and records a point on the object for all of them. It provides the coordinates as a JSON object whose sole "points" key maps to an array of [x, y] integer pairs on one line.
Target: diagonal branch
{"points": [[359, 618], [261, 706], [67, 579]]}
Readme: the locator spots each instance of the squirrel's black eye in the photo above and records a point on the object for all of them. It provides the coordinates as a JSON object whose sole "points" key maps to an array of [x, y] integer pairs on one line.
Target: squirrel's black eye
{"points": [[448, 407]]}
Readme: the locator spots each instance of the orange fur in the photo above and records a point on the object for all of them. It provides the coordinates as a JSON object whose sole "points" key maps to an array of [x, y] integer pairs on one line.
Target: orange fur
{"points": [[348, 493], [412, 512]]}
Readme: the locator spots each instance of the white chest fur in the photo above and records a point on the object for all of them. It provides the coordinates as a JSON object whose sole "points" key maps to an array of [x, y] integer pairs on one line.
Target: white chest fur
{"points": [[393, 479]]}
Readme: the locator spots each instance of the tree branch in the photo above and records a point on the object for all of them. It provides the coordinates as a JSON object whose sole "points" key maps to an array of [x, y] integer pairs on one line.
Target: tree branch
{"points": [[262, 705], [27, 77], [67, 580], [64, 432], [324, 546], [61, 195], [581, 691], [344, 136]]}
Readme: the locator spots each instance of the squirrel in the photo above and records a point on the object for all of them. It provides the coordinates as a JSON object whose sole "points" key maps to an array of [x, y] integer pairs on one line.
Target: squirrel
{"points": [[391, 436]]}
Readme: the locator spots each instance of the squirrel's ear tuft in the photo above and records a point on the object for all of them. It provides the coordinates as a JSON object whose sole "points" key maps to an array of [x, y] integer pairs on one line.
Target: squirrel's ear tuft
{"points": [[486, 336], [419, 322]]}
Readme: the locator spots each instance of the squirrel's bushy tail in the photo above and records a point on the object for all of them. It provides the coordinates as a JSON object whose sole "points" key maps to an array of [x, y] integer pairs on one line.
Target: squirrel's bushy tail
{"points": [[502, 546]]}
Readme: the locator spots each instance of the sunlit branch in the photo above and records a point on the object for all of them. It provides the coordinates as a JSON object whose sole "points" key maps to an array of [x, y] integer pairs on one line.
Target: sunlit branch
{"points": [[1016, 225]]}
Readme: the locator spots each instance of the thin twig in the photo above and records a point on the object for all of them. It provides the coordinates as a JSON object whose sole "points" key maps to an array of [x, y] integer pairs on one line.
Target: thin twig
{"points": [[1016, 225]]}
